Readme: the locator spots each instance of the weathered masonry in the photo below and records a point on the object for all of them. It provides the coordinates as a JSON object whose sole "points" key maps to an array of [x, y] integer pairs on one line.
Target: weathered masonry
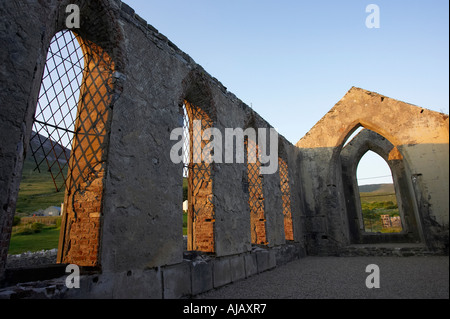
{"points": [[414, 143], [131, 87]]}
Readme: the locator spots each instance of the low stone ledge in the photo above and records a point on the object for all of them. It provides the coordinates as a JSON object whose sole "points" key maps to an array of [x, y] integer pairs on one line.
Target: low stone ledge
{"points": [[201, 276], [221, 272], [196, 274], [251, 267], [177, 281], [237, 268], [265, 259]]}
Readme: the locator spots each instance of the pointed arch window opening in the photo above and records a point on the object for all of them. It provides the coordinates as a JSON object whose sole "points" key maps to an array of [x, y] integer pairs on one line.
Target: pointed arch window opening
{"points": [[255, 193], [379, 205], [286, 199], [198, 173], [69, 139], [53, 124], [76, 72]]}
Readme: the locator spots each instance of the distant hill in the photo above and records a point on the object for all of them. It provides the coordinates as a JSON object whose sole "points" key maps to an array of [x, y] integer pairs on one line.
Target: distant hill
{"points": [[37, 189], [41, 145], [377, 188], [377, 193]]}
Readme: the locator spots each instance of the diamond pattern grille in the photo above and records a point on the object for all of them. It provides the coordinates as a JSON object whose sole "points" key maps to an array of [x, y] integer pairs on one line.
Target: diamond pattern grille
{"points": [[200, 195], [72, 110], [55, 115], [256, 197], [286, 197]]}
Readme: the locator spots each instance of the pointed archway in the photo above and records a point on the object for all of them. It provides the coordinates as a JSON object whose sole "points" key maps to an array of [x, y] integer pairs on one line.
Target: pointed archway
{"points": [[350, 156]]}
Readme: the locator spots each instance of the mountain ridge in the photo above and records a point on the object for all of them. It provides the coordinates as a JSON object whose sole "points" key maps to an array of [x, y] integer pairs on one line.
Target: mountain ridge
{"points": [[377, 188]]}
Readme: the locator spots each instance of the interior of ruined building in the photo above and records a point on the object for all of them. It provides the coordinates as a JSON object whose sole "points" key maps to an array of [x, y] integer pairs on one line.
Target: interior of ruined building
{"points": [[122, 221]]}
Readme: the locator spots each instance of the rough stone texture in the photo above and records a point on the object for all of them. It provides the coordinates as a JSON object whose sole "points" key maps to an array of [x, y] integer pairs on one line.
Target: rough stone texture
{"points": [[129, 222], [237, 266], [265, 259], [129, 219], [202, 276], [195, 275], [29, 259], [52, 289], [176, 282], [350, 157], [419, 136], [251, 267], [222, 272]]}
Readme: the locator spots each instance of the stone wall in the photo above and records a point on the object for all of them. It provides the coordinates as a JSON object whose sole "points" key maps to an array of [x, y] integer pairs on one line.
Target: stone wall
{"points": [[419, 139], [349, 158], [196, 274], [124, 214], [124, 204]]}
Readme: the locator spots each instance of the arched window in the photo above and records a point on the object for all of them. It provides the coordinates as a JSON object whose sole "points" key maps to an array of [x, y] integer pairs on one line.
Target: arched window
{"points": [[286, 197], [255, 193], [69, 140], [198, 176], [53, 125], [378, 199]]}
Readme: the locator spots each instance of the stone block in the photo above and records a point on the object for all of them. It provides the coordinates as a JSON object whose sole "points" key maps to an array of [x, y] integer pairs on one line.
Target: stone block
{"points": [[251, 267], [136, 284], [202, 276], [237, 267], [265, 260], [177, 281], [286, 253], [132, 284], [272, 259], [222, 272]]}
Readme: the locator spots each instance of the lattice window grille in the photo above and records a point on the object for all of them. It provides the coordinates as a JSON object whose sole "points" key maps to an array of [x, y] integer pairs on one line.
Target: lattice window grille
{"points": [[74, 74], [256, 196], [199, 174]]}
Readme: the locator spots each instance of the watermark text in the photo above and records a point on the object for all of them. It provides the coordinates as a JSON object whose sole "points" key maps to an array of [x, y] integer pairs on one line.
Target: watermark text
{"points": [[373, 19], [73, 19], [373, 280], [210, 147], [73, 279]]}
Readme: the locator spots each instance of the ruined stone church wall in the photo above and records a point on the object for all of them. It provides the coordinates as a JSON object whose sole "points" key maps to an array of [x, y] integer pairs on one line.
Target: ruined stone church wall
{"points": [[137, 212], [420, 140]]}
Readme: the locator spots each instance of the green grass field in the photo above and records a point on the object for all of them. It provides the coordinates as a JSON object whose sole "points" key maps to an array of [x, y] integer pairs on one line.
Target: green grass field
{"points": [[46, 238], [184, 224], [377, 203], [37, 190]]}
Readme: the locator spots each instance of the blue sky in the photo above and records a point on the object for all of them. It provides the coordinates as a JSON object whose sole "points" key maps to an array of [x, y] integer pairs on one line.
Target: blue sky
{"points": [[293, 60]]}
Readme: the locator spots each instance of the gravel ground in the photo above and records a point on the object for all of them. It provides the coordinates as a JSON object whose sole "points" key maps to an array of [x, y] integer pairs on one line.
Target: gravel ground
{"points": [[345, 278]]}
